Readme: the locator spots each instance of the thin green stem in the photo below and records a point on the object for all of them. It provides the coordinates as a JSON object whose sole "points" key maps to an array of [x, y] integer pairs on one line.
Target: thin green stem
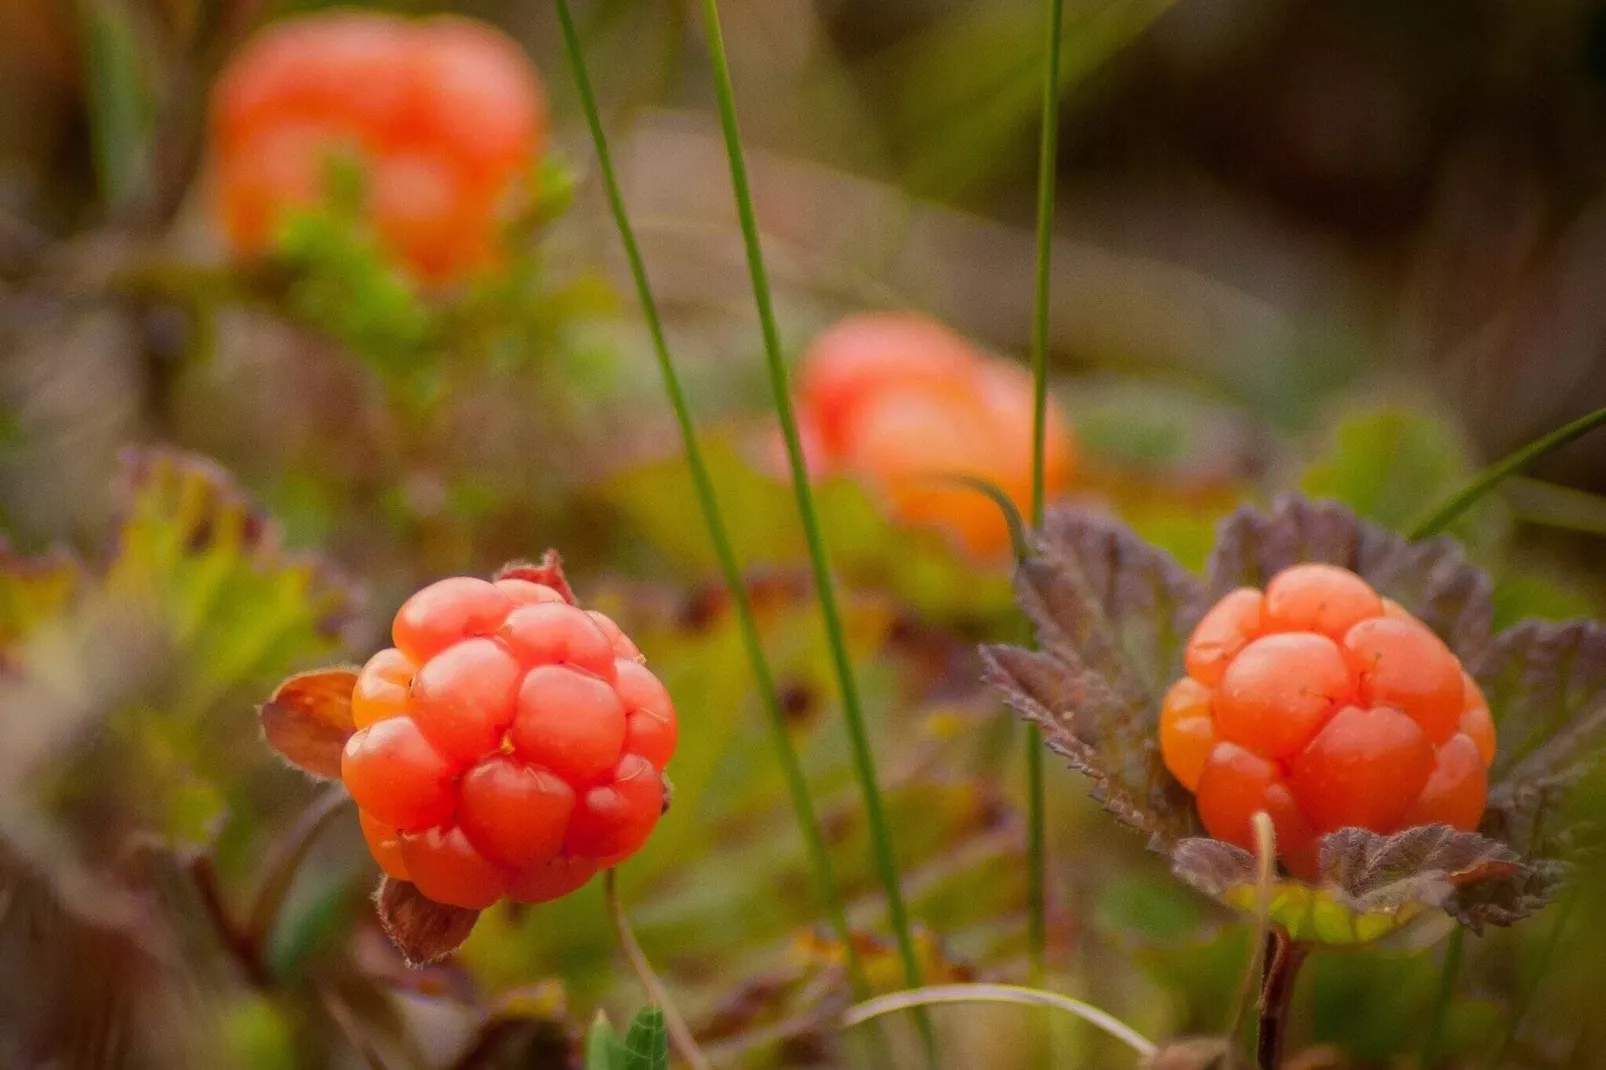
{"points": [[989, 993], [703, 485], [1047, 157], [1486, 480], [679, 1032], [1525, 999], [852, 712], [1434, 1039]]}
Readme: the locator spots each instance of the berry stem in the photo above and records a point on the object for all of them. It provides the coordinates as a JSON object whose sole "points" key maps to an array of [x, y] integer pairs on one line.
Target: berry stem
{"points": [[1047, 156], [852, 711], [1485, 481], [286, 857], [678, 1030], [797, 785], [1282, 961]]}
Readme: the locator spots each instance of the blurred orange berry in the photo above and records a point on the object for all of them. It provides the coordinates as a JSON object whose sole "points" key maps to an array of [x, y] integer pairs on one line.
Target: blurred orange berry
{"points": [[445, 113], [902, 402]]}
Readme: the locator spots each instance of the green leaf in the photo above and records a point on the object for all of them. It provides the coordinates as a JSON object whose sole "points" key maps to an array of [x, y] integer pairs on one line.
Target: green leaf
{"points": [[33, 590], [1388, 463], [602, 1045], [119, 101], [194, 553], [646, 1045]]}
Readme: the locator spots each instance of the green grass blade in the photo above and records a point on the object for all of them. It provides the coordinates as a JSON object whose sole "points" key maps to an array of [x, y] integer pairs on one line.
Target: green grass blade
{"points": [[797, 785], [1441, 517], [119, 116], [863, 759], [1047, 157], [1434, 1038]]}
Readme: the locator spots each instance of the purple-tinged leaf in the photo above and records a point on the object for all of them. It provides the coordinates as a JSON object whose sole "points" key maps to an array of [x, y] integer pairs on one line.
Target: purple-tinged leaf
{"points": [[308, 720], [1213, 866], [423, 930], [1430, 578], [1546, 687], [1111, 615], [1425, 864]]}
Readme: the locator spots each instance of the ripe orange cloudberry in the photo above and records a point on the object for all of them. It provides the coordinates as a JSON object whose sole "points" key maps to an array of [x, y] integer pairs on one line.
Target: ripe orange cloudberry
{"points": [[509, 744], [444, 113], [1326, 706], [899, 400]]}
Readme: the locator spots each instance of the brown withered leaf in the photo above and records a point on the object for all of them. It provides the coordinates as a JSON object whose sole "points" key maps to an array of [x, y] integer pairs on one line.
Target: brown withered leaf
{"points": [[1111, 615], [308, 720], [1431, 577], [548, 571], [423, 930]]}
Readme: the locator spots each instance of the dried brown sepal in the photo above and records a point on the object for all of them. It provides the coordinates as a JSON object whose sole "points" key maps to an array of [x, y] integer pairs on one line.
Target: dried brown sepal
{"points": [[423, 930], [1431, 578], [1111, 615], [308, 720], [549, 571]]}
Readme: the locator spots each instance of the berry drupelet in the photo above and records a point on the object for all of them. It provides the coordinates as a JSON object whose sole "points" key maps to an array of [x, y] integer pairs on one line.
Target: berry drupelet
{"points": [[1327, 706], [509, 745]]}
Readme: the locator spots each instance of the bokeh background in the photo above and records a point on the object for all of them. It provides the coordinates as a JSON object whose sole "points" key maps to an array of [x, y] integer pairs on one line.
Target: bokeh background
{"points": [[1353, 248]]}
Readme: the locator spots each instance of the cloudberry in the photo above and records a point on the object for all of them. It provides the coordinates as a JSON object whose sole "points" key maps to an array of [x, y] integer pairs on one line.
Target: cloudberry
{"points": [[902, 401], [510, 744], [445, 113], [1327, 707]]}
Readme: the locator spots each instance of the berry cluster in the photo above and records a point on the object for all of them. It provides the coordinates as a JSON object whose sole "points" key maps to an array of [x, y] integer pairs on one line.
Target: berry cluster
{"points": [[1326, 706], [509, 744], [898, 399], [444, 113]]}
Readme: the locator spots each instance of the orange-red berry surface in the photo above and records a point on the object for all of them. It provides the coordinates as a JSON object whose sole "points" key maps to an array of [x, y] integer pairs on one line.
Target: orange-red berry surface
{"points": [[902, 401], [444, 113], [509, 745], [1326, 706]]}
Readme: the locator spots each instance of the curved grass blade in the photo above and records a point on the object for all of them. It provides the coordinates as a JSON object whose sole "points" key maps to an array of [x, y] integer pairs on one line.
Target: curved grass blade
{"points": [[1434, 522], [852, 711], [797, 785]]}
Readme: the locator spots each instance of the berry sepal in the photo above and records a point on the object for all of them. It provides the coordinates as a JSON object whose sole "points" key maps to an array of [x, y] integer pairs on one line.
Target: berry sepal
{"points": [[423, 930], [1134, 652], [1369, 885], [308, 720]]}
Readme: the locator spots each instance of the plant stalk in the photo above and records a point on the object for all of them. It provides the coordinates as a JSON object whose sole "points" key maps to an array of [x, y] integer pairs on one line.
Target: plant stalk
{"points": [[703, 485], [1283, 959], [685, 1043], [1047, 157], [852, 710]]}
